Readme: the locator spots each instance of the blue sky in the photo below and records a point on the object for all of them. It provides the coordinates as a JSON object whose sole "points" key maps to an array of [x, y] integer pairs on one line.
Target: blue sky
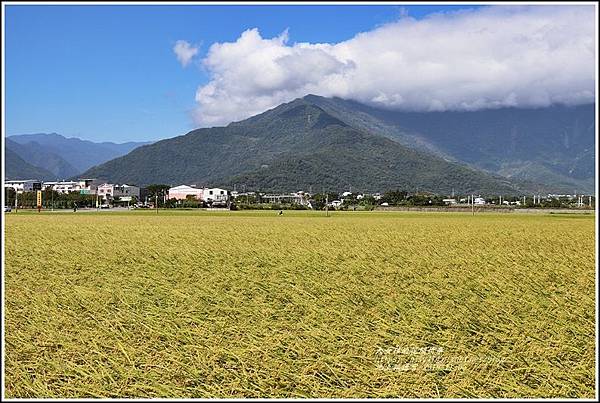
{"points": [[108, 73]]}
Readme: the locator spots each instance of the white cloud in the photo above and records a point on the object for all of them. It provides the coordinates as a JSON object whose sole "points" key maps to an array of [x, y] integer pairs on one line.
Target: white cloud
{"points": [[485, 58], [184, 52]]}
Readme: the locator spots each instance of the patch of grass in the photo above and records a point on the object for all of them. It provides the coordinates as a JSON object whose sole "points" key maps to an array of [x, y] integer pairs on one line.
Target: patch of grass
{"points": [[250, 304]]}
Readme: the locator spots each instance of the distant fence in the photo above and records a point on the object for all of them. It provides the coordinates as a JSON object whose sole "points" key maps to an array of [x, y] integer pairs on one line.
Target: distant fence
{"points": [[486, 209]]}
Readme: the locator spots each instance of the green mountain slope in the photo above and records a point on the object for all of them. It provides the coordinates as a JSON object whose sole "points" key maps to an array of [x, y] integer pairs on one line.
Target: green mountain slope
{"points": [[80, 154], [37, 155], [292, 147], [553, 145], [16, 168]]}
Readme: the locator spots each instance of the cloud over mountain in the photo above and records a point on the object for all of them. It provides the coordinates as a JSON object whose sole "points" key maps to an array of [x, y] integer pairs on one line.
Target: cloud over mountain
{"points": [[467, 60]]}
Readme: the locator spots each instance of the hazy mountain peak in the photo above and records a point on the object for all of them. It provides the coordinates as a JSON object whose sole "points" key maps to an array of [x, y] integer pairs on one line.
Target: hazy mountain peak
{"points": [[64, 156], [312, 98]]}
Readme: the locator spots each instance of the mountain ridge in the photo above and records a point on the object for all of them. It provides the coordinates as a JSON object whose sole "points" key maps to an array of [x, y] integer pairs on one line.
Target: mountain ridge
{"points": [[65, 157], [553, 145], [16, 168], [36, 155], [298, 135]]}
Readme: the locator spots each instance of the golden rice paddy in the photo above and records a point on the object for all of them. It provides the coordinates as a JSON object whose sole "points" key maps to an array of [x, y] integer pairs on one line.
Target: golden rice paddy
{"points": [[248, 304]]}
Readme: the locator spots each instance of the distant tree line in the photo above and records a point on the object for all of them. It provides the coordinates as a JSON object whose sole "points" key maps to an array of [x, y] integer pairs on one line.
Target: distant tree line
{"points": [[50, 199]]}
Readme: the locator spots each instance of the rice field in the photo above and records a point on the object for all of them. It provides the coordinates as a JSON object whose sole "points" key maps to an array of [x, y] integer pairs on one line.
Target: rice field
{"points": [[251, 304]]}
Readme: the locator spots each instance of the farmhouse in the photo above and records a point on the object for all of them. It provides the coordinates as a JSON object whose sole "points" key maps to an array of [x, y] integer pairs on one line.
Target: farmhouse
{"points": [[215, 195]]}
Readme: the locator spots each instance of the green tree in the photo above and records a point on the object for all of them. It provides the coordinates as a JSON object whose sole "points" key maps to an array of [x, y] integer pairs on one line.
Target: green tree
{"points": [[318, 200], [394, 197], [157, 192]]}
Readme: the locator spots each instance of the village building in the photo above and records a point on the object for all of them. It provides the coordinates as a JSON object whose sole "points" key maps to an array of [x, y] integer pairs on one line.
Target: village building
{"points": [[300, 198], [182, 192], [83, 186], [215, 196], [25, 185], [108, 191]]}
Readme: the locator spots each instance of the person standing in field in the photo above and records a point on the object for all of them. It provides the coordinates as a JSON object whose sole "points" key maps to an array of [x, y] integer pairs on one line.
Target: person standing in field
{"points": [[74, 207]]}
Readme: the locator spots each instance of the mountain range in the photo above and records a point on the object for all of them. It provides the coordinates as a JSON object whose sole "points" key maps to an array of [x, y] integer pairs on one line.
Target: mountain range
{"points": [[15, 167], [553, 145], [334, 144], [58, 157], [319, 143]]}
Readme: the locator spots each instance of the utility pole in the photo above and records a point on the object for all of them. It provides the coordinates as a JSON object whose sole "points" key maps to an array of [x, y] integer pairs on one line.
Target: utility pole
{"points": [[326, 205], [590, 201], [156, 201], [472, 205]]}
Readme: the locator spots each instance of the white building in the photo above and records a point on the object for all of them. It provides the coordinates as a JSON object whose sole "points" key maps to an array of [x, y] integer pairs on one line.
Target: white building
{"points": [[182, 192], [106, 190], [83, 186], [63, 187], [449, 201], [215, 195], [479, 200], [25, 185]]}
